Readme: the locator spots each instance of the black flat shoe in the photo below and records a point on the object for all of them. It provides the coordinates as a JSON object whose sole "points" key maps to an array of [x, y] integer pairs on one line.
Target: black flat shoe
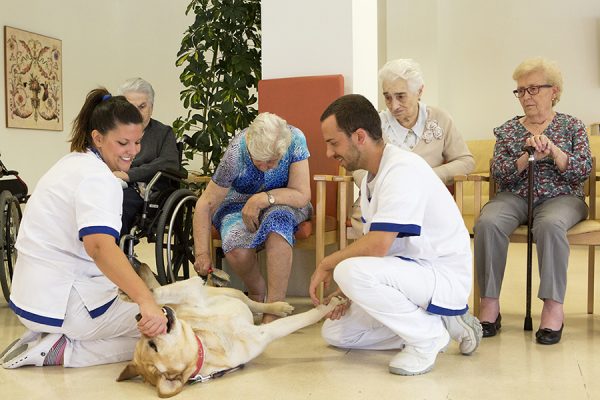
{"points": [[548, 336], [491, 328]]}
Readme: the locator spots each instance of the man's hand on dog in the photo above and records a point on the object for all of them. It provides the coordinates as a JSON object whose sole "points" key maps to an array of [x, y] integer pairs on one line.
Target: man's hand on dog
{"points": [[153, 321]]}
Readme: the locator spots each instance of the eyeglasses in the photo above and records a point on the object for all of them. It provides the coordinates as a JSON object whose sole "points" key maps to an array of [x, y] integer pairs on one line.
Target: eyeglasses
{"points": [[532, 90]]}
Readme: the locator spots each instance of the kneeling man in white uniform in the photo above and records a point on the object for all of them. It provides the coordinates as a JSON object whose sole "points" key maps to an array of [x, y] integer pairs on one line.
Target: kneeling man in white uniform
{"points": [[409, 276]]}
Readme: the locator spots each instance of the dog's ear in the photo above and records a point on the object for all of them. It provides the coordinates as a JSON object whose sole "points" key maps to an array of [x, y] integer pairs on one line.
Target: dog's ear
{"points": [[129, 372], [168, 387]]}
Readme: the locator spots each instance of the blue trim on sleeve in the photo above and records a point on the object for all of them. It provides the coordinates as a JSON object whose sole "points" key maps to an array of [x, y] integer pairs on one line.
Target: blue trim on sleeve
{"points": [[40, 319], [90, 230], [406, 258], [402, 229], [102, 309], [446, 311], [364, 221]]}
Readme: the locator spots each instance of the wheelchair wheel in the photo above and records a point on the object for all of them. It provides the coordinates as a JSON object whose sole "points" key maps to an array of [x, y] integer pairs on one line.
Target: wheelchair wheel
{"points": [[10, 219], [174, 237]]}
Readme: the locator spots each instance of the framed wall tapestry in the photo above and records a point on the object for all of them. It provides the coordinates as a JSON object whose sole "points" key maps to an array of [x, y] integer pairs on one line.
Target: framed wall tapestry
{"points": [[33, 77]]}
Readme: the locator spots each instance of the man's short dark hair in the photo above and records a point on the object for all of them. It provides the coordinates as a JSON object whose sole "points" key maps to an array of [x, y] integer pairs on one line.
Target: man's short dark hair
{"points": [[353, 112]]}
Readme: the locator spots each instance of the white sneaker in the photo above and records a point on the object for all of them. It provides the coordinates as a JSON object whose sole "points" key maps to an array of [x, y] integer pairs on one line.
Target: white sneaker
{"points": [[466, 330], [418, 360], [32, 353], [27, 337]]}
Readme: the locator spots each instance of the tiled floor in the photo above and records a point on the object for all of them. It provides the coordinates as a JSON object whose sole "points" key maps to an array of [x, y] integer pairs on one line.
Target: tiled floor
{"points": [[301, 366]]}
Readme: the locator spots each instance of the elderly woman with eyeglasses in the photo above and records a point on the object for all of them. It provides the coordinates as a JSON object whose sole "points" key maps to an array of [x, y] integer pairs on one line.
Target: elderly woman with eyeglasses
{"points": [[258, 196], [563, 162]]}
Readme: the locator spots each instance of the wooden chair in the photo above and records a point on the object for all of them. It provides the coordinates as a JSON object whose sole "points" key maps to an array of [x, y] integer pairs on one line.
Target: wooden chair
{"points": [[301, 101], [586, 232]]}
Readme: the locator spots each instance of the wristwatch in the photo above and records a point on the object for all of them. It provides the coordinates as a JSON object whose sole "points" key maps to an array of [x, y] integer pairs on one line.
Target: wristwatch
{"points": [[271, 198]]}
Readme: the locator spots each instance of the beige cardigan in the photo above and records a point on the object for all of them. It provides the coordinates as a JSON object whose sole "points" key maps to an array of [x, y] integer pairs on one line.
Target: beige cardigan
{"points": [[441, 145]]}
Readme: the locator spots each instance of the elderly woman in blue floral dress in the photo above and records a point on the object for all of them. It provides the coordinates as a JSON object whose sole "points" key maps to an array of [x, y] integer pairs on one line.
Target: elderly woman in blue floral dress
{"points": [[563, 163], [258, 196]]}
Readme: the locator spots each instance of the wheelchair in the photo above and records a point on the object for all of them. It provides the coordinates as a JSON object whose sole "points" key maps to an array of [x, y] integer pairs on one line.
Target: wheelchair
{"points": [[167, 221], [13, 192]]}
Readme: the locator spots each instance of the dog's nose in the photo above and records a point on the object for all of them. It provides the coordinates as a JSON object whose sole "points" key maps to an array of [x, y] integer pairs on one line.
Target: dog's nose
{"points": [[138, 317]]}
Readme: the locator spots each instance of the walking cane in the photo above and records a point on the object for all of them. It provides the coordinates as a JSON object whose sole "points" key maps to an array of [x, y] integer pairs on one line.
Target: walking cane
{"points": [[528, 326]]}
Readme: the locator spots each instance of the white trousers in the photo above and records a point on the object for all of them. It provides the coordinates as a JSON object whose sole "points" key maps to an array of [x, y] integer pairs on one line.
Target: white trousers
{"points": [[389, 297], [106, 339]]}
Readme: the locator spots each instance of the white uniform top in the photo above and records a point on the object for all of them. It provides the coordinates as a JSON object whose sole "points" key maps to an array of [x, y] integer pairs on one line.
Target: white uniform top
{"points": [[407, 197], [78, 196]]}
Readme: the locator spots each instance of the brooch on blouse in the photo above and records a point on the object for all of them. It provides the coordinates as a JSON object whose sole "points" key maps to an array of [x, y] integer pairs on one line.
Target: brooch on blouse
{"points": [[432, 131]]}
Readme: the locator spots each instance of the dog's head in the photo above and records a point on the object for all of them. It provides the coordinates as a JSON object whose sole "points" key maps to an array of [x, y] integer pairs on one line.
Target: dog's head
{"points": [[166, 361]]}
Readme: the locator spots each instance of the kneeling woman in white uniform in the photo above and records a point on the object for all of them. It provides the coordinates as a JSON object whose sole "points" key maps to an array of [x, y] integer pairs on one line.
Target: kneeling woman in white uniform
{"points": [[69, 268]]}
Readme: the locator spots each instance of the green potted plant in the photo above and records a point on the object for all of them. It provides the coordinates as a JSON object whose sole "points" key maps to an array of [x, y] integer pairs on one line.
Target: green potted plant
{"points": [[220, 53]]}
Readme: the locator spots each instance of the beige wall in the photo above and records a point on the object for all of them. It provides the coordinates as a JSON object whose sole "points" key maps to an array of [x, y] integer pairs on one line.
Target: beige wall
{"points": [[468, 50], [104, 43]]}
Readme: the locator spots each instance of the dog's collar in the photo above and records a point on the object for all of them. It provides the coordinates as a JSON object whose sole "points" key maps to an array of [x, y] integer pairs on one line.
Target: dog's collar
{"points": [[200, 359]]}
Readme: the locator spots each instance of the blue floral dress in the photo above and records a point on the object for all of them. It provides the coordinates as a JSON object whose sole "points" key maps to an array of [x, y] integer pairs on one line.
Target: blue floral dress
{"points": [[237, 172]]}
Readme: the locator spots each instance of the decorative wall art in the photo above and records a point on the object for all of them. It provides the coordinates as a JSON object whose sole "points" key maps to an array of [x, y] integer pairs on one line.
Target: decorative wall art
{"points": [[33, 77]]}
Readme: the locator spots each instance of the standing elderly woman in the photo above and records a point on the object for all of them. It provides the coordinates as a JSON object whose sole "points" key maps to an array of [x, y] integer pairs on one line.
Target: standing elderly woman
{"points": [[563, 162], [158, 150], [256, 199], [414, 126]]}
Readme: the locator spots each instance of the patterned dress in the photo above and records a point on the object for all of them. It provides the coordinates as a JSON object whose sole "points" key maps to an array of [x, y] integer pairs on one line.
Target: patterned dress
{"points": [[237, 172], [564, 131]]}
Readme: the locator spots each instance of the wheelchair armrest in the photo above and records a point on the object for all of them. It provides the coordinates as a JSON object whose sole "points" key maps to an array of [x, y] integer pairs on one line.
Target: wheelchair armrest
{"points": [[176, 174], [172, 174]]}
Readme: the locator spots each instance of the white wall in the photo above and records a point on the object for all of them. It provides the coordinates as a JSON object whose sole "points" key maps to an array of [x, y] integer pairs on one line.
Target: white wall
{"points": [[309, 37], [469, 49], [104, 43], [315, 37]]}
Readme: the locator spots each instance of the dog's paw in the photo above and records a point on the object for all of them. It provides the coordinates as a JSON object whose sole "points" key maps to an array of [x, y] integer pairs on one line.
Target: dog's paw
{"points": [[281, 309], [336, 301]]}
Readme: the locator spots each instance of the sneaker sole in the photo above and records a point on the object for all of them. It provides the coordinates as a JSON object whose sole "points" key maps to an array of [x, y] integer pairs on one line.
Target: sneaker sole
{"points": [[471, 325], [8, 349], [13, 357], [404, 372], [27, 337]]}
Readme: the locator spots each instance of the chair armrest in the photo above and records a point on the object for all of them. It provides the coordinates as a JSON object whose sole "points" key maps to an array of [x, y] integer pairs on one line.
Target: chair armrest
{"points": [[345, 178], [332, 178], [478, 178]]}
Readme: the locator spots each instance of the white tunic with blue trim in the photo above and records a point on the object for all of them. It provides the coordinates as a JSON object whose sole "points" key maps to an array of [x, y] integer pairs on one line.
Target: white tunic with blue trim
{"points": [[407, 197], [78, 196]]}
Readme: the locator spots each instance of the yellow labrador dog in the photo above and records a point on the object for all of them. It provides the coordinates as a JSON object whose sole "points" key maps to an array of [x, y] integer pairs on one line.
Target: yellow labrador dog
{"points": [[210, 331]]}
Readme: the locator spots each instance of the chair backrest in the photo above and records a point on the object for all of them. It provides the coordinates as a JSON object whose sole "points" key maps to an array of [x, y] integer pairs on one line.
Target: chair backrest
{"points": [[301, 101]]}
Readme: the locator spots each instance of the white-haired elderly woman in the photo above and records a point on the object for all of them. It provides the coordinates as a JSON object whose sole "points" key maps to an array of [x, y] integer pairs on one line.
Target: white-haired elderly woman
{"points": [[158, 150], [563, 162], [425, 130], [257, 197], [414, 126]]}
